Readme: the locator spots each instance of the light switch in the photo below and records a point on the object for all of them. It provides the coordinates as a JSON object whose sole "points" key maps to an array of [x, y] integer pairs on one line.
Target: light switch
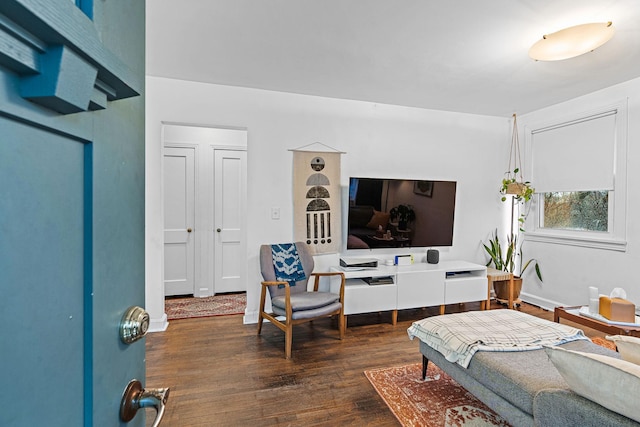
{"points": [[275, 213]]}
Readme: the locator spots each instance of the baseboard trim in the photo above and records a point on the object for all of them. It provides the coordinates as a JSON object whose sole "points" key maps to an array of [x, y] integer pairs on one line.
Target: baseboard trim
{"points": [[543, 303], [159, 325], [250, 317]]}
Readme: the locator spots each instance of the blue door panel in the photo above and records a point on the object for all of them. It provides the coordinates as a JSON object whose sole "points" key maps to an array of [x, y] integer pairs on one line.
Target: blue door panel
{"points": [[42, 273], [71, 209]]}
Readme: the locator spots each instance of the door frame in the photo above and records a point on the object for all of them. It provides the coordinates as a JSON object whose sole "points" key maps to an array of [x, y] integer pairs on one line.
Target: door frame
{"points": [[204, 203]]}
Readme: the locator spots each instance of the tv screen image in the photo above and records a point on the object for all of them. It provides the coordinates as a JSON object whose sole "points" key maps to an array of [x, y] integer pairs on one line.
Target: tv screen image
{"points": [[397, 213]]}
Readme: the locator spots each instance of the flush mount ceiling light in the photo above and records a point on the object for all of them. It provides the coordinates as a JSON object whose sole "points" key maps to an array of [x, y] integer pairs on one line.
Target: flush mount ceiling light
{"points": [[571, 42]]}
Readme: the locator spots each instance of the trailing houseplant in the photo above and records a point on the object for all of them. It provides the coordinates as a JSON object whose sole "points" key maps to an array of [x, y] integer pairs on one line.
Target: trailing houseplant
{"points": [[513, 184], [521, 192], [405, 215]]}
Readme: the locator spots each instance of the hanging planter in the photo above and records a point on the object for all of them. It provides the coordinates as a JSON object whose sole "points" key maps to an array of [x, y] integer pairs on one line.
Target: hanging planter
{"points": [[520, 189], [521, 192], [513, 183]]}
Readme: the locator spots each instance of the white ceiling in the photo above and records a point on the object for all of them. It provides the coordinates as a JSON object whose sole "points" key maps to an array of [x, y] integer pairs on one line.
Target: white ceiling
{"points": [[455, 55]]}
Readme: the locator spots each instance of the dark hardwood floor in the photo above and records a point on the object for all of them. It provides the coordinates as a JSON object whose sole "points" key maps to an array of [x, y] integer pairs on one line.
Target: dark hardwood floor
{"points": [[221, 373]]}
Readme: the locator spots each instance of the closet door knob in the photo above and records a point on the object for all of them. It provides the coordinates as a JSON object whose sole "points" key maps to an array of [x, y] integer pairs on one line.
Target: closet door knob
{"points": [[218, 230], [189, 230]]}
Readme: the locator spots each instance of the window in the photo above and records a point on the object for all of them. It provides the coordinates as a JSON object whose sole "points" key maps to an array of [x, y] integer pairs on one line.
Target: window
{"points": [[576, 210], [578, 168]]}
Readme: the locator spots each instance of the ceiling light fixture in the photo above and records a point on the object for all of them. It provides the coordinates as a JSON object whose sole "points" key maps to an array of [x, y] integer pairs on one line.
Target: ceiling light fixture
{"points": [[571, 42]]}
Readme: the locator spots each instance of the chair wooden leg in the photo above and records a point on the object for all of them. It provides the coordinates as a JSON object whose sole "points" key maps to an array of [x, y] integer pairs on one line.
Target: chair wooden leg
{"points": [[342, 325], [263, 295], [288, 339], [260, 323]]}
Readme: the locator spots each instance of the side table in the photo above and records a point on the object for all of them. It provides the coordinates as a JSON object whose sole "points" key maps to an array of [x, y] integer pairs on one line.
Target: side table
{"points": [[572, 314]]}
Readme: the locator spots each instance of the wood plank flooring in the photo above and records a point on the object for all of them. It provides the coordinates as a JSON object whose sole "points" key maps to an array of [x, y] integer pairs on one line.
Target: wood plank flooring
{"points": [[221, 373]]}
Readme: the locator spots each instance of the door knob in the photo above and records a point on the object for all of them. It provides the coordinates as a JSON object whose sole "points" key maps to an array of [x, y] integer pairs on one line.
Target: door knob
{"points": [[218, 230], [189, 230], [136, 397]]}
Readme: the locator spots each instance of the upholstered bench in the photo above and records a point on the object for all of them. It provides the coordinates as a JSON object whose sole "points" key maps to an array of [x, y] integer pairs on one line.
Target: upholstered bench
{"points": [[526, 388]]}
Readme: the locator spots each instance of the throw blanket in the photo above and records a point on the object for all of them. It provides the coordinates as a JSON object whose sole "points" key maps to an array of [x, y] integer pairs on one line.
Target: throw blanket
{"points": [[459, 336], [287, 263]]}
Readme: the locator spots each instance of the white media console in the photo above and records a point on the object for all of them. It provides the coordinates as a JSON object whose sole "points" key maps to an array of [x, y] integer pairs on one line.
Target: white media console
{"points": [[414, 286]]}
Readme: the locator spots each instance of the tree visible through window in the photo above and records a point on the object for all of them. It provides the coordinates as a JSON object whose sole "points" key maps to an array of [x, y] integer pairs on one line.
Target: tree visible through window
{"points": [[577, 210]]}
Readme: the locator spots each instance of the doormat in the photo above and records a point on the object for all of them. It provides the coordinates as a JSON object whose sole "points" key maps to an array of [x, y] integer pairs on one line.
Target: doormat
{"points": [[435, 402], [217, 305]]}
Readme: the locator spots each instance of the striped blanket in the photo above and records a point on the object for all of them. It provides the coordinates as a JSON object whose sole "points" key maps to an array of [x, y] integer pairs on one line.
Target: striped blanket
{"points": [[459, 336]]}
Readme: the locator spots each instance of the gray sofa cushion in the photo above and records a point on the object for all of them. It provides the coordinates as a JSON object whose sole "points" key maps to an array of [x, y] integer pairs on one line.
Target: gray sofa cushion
{"points": [[565, 408], [519, 376]]}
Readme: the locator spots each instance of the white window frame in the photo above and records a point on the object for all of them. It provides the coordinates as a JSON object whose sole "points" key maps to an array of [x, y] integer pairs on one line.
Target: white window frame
{"points": [[615, 238]]}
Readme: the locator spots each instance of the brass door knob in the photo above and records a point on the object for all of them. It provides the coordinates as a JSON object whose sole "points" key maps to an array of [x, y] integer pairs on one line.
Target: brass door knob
{"points": [[189, 230]]}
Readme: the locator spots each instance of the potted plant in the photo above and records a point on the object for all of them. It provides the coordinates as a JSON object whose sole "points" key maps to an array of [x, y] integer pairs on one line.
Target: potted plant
{"points": [[507, 261], [405, 215]]}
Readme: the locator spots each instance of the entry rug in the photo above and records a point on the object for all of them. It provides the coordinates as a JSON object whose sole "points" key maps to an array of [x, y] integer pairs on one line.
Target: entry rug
{"points": [[217, 305], [435, 402]]}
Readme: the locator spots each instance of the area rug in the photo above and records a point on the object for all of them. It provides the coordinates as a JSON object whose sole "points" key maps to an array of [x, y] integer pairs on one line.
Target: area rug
{"points": [[435, 402], [217, 305]]}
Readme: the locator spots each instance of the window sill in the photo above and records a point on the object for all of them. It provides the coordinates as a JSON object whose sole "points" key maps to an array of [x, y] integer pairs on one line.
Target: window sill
{"points": [[574, 240]]}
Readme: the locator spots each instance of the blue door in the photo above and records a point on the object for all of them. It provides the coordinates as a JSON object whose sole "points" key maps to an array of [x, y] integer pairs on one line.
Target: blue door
{"points": [[71, 209]]}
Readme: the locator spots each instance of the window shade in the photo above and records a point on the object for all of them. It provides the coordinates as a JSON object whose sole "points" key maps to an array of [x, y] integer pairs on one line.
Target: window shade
{"points": [[575, 156]]}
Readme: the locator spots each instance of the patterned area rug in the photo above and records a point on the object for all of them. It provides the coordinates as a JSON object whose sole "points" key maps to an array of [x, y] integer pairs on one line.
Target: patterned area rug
{"points": [[217, 305], [435, 402], [604, 343]]}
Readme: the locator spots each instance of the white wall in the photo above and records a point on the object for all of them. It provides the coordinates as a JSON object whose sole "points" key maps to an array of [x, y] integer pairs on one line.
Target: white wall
{"points": [[379, 140], [569, 270]]}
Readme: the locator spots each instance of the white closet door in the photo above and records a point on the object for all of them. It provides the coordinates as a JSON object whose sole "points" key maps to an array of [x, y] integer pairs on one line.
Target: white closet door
{"points": [[179, 220], [229, 219]]}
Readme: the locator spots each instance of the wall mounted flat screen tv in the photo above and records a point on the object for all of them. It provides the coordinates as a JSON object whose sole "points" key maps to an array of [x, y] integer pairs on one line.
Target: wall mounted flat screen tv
{"points": [[397, 213]]}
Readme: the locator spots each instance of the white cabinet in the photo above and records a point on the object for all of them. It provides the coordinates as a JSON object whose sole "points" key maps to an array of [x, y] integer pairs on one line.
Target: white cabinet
{"points": [[414, 286], [359, 297], [420, 289], [465, 287]]}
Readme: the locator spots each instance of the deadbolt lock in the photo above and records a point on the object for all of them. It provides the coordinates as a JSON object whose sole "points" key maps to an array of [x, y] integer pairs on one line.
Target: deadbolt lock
{"points": [[134, 324]]}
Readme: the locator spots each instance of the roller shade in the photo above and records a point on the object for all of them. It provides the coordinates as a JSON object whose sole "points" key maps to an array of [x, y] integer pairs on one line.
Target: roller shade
{"points": [[575, 156]]}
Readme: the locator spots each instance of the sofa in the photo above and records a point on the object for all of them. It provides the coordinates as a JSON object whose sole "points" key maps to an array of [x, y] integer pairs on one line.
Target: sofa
{"points": [[364, 222], [527, 389]]}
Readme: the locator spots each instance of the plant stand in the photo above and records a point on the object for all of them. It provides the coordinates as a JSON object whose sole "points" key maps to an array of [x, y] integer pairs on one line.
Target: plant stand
{"points": [[494, 276]]}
